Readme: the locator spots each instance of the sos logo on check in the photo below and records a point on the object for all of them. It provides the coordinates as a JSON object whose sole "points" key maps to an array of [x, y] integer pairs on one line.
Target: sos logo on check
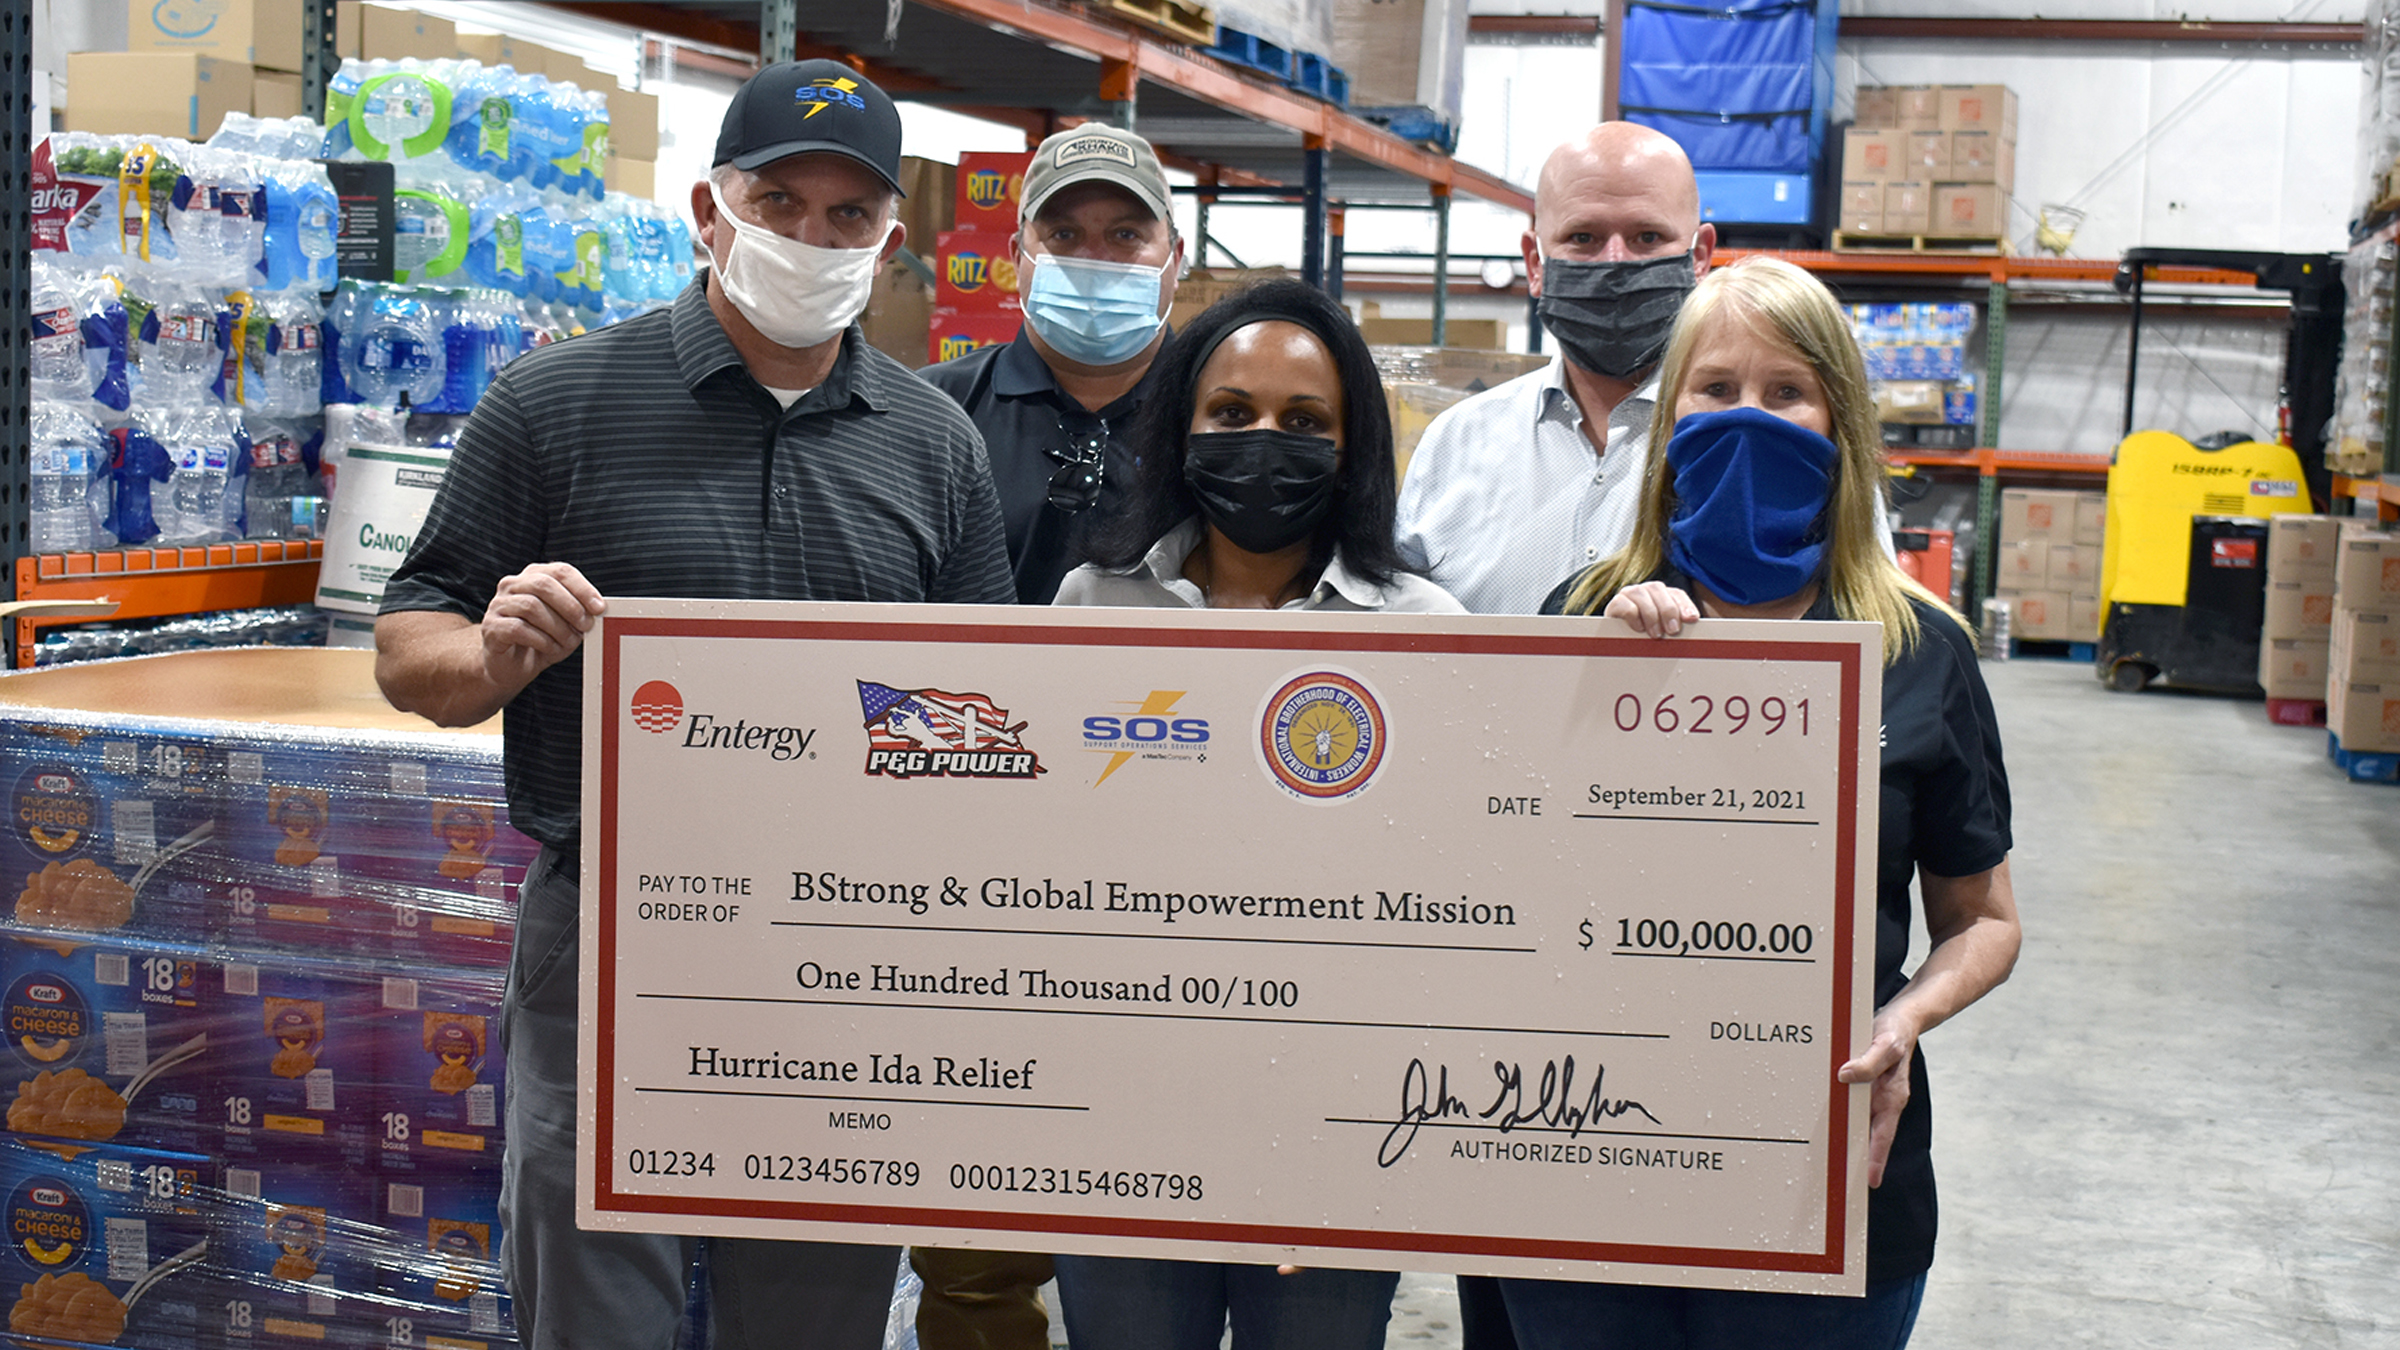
{"points": [[1153, 730]]}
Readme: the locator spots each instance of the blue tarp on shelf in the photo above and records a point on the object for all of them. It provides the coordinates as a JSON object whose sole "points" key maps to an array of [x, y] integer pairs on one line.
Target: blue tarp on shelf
{"points": [[1740, 85]]}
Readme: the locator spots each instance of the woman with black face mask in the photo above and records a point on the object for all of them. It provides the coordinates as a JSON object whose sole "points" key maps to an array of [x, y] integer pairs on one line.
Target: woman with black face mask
{"points": [[1267, 477], [1266, 483]]}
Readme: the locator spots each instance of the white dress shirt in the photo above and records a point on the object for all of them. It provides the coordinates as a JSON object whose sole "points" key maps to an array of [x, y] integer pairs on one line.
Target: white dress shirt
{"points": [[1159, 583], [1504, 498]]}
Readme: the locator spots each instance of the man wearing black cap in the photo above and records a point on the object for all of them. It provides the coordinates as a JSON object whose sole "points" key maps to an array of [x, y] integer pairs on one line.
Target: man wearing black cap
{"points": [[744, 443], [1097, 260]]}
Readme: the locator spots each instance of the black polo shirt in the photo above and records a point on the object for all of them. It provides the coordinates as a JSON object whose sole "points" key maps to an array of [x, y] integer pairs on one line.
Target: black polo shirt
{"points": [[1014, 400], [1944, 809], [647, 457]]}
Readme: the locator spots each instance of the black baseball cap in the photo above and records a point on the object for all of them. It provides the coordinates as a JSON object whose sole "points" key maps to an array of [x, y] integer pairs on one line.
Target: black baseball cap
{"points": [[811, 107]]}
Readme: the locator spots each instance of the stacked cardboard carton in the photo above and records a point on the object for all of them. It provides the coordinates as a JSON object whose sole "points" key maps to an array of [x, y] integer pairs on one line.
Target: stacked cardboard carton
{"points": [[1930, 160], [1917, 364], [2362, 691], [2049, 562], [975, 274], [2299, 614]]}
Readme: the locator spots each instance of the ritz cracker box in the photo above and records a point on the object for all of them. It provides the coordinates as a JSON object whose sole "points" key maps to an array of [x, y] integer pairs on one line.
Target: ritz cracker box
{"points": [[103, 820], [107, 1245], [442, 1268], [296, 1068], [294, 1245], [106, 1042], [439, 1073], [390, 852]]}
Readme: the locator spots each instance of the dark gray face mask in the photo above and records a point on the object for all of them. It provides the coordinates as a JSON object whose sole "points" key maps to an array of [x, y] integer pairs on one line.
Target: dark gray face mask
{"points": [[1613, 318]]}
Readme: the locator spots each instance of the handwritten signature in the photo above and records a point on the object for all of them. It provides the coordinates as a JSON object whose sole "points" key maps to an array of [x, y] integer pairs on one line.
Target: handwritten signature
{"points": [[1426, 1097]]}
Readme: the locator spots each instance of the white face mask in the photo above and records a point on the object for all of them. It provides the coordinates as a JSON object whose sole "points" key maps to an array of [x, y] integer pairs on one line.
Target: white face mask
{"points": [[794, 294]]}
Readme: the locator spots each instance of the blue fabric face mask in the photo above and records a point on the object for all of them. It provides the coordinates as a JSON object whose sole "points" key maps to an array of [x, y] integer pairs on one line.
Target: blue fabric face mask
{"points": [[1092, 313], [1751, 488]]}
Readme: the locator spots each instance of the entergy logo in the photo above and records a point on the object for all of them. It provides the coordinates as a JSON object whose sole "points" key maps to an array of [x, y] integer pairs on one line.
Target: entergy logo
{"points": [[657, 707]]}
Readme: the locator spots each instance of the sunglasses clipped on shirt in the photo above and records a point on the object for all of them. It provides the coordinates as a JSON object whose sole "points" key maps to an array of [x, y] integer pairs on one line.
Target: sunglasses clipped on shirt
{"points": [[1082, 463]]}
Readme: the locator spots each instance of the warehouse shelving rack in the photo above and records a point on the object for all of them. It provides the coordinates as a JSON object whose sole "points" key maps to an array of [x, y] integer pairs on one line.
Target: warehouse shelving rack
{"points": [[1007, 60]]}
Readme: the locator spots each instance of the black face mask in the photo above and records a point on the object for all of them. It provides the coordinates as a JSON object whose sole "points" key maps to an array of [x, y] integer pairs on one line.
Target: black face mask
{"points": [[1613, 318], [1263, 490]]}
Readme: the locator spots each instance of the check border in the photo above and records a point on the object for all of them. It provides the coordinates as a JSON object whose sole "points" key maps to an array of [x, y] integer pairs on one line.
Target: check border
{"points": [[1311, 640]]}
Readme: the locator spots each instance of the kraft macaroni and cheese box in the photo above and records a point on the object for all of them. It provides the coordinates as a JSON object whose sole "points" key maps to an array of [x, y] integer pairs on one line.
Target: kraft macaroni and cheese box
{"points": [[107, 1245], [106, 1042], [293, 1247], [102, 819], [388, 851], [440, 1264], [295, 1064], [438, 1071]]}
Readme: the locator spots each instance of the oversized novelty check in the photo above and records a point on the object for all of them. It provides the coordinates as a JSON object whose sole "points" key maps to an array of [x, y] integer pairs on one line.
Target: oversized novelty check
{"points": [[1514, 946]]}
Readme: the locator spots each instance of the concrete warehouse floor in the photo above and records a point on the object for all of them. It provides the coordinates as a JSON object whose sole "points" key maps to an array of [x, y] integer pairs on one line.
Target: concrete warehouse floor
{"points": [[2178, 1125]]}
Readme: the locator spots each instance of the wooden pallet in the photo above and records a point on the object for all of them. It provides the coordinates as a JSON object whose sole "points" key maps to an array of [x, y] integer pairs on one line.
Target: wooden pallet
{"points": [[1846, 242], [1194, 24]]}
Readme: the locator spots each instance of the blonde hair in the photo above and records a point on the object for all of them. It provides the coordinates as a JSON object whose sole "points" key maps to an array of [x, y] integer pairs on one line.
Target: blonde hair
{"points": [[1784, 304]]}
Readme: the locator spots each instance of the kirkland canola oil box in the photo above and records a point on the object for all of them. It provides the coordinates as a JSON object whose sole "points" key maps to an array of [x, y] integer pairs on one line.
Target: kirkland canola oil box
{"points": [[106, 1245], [106, 1042]]}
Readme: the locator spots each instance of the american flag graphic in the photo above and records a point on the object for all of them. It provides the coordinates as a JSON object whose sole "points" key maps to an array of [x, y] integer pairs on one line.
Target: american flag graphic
{"points": [[929, 719]]}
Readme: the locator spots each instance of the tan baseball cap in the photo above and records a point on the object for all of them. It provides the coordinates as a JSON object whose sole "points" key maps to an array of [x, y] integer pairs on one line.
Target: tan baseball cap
{"points": [[1094, 152]]}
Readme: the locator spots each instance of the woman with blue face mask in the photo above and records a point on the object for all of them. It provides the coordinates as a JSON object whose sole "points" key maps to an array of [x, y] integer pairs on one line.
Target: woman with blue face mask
{"points": [[1266, 482], [1266, 476], [1764, 463]]}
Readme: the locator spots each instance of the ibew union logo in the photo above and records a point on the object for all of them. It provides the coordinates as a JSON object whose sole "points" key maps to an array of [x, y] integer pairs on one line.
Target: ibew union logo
{"points": [[1322, 735]]}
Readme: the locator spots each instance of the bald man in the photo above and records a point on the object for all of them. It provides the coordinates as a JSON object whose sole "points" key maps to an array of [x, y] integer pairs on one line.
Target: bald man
{"points": [[1515, 489]]}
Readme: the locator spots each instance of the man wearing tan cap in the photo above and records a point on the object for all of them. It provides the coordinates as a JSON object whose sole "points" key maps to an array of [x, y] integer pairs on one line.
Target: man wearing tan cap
{"points": [[1097, 258]]}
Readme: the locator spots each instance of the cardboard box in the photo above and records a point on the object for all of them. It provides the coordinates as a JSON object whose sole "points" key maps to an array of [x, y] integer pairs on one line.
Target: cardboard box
{"points": [[446, 1229], [929, 205], [439, 1066], [296, 1064], [2037, 513], [1982, 157], [1969, 210], [1205, 286], [2083, 618], [633, 123], [259, 32], [2292, 668], [116, 1015], [377, 31], [974, 271], [1913, 402], [1874, 156], [1978, 107], [1397, 53], [1472, 334], [275, 94], [955, 333], [2046, 616], [1878, 108], [1862, 207], [111, 1217], [2302, 548], [297, 1239], [154, 93], [1917, 107], [499, 49], [2366, 645], [2296, 610], [899, 314], [2074, 568], [2367, 570], [1928, 156], [989, 184], [633, 177], [2363, 715], [1906, 207], [571, 68], [2025, 565], [2091, 518]]}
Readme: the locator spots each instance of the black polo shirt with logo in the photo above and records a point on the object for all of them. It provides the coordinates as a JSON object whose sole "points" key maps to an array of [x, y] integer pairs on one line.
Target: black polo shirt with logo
{"points": [[646, 456], [1014, 400], [1943, 809]]}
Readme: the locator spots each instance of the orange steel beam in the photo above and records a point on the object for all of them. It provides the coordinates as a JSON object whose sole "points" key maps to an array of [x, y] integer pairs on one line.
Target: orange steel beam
{"points": [[1997, 267], [1213, 82]]}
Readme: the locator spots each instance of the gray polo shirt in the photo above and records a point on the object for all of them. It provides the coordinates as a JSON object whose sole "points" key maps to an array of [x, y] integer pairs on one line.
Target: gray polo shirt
{"points": [[647, 457]]}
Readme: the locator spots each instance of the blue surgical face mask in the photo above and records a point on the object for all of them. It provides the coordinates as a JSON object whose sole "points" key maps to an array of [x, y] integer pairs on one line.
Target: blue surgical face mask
{"points": [[1092, 313], [1751, 490]]}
